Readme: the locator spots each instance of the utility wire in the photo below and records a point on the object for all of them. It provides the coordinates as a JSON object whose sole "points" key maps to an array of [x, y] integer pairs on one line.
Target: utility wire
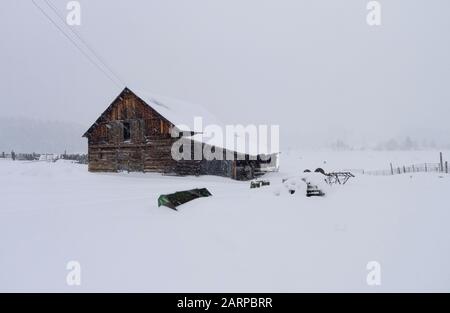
{"points": [[75, 44], [55, 10]]}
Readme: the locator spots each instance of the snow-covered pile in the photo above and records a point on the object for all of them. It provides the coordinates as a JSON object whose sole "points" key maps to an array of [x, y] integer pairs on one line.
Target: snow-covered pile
{"points": [[302, 182], [240, 239]]}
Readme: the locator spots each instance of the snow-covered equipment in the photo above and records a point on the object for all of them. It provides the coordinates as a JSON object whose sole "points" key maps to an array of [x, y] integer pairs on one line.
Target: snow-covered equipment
{"points": [[320, 170], [294, 184], [313, 190], [259, 183], [311, 184], [340, 178], [315, 183], [178, 198]]}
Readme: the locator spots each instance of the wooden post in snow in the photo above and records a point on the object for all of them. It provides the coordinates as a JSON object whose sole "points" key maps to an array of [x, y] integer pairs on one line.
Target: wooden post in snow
{"points": [[441, 162], [392, 170], [446, 167]]}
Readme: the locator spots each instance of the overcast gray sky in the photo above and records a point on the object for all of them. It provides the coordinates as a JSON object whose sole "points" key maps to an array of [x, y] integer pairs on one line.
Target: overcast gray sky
{"points": [[312, 66]]}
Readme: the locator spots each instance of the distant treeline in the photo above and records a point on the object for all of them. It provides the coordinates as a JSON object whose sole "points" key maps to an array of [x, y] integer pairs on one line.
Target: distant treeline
{"points": [[79, 158], [406, 144]]}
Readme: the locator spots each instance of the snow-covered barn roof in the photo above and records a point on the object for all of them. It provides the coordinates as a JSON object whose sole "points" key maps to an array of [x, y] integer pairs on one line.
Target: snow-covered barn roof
{"points": [[179, 113]]}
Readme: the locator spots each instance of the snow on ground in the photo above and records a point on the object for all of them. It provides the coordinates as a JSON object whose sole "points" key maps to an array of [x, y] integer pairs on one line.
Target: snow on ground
{"points": [[240, 239]]}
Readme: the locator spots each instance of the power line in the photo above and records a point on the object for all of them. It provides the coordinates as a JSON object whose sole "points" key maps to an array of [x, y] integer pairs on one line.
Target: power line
{"points": [[54, 9], [75, 44]]}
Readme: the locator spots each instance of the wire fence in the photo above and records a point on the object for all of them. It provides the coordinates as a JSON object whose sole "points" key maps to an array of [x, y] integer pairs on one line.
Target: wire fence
{"points": [[415, 168], [441, 167], [398, 170]]}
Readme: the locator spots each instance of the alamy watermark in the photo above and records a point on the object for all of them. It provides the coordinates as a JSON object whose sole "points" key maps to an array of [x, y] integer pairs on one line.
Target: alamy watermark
{"points": [[374, 276], [374, 13], [73, 277], [73, 17], [234, 142]]}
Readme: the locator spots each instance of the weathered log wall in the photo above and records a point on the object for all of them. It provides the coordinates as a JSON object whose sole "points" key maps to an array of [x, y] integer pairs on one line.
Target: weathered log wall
{"points": [[146, 150]]}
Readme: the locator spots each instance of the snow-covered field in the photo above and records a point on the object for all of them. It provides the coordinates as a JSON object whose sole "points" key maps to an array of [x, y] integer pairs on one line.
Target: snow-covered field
{"points": [[240, 239]]}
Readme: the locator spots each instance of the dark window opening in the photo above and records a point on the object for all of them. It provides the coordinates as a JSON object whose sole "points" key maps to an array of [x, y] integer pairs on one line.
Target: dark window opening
{"points": [[126, 131]]}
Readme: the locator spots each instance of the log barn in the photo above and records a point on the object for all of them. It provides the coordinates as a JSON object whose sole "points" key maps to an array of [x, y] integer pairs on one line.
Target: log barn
{"points": [[134, 134]]}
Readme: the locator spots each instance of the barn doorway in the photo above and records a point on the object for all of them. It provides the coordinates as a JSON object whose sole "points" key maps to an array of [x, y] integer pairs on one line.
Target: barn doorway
{"points": [[130, 161], [122, 161]]}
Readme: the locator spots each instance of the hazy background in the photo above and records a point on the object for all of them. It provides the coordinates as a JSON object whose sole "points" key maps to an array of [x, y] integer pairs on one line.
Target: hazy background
{"points": [[313, 67]]}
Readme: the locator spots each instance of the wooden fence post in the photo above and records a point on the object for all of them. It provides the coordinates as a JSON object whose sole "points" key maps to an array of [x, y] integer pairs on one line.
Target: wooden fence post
{"points": [[392, 170], [446, 167], [441, 168]]}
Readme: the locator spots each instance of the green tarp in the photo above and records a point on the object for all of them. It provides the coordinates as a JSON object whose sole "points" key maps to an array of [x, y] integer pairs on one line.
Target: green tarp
{"points": [[178, 198]]}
